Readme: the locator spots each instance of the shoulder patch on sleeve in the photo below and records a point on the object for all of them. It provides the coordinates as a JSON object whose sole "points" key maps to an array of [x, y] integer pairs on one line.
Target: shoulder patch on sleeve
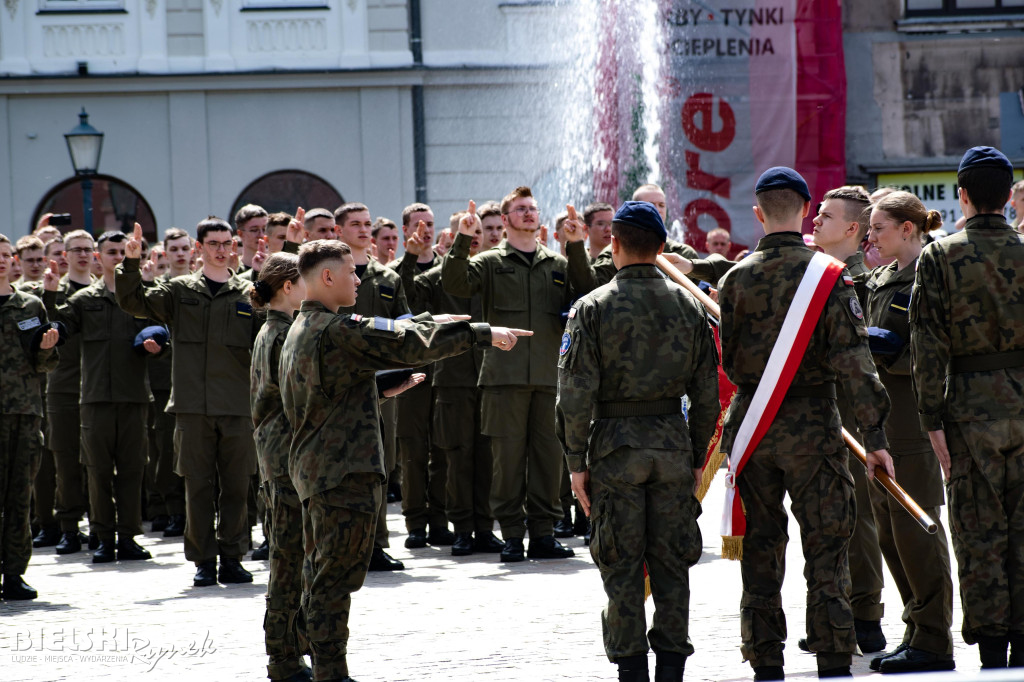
{"points": [[383, 324], [566, 340], [855, 308], [357, 318], [847, 280]]}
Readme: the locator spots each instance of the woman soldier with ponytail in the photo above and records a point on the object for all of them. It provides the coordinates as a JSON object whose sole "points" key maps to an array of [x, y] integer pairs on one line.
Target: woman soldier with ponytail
{"points": [[918, 562], [279, 291]]}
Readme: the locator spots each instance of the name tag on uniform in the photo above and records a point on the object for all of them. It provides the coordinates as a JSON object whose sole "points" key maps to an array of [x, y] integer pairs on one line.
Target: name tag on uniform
{"points": [[387, 293], [190, 301], [505, 270], [900, 302], [243, 309], [558, 278], [30, 323]]}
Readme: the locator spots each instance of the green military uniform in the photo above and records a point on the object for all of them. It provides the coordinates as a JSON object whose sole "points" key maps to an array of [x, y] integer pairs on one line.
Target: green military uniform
{"points": [[336, 458], [273, 435], [456, 427], [167, 487], [381, 294], [526, 291], [802, 452], [211, 341], [967, 350], [631, 350], [115, 403], [918, 561], [21, 413], [865, 556], [60, 483], [591, 274]]}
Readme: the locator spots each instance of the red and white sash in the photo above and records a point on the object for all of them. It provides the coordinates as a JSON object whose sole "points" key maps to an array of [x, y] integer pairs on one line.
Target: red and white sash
{"points": [[787, 353]]}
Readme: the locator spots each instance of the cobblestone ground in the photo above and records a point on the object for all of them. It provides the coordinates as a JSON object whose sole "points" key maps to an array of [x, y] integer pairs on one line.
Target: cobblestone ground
{"points": [[444, 618]]}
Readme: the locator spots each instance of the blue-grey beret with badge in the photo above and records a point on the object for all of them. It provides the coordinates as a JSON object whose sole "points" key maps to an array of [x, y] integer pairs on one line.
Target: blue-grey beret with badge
{"points": [[643, 215], [781, 177], [984, 157]]}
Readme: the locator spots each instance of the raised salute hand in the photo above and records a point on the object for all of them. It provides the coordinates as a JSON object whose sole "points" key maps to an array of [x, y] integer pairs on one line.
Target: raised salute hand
{"points": [[296, 231], [51, 278], [261, 255], [418, 243], [469, 223], [133, 247], [233, 261], [575, 230]]}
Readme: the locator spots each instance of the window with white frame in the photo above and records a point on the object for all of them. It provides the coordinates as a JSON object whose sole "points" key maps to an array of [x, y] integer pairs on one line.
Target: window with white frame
{"points": [[79, 5]]}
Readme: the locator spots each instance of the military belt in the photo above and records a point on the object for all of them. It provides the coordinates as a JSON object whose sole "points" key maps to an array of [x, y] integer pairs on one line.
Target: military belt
{"points": [[987, 362], [618, 409], [826, 391]]}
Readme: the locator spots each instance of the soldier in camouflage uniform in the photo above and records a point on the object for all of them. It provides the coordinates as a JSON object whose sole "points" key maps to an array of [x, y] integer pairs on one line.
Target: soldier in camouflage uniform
{"points": [[802, 452], [280, 289], [632, 348], [336, 459], [967, 349], [26, 352]]}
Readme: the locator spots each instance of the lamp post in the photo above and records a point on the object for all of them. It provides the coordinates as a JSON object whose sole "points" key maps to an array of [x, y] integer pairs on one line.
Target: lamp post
{"points": [[84, 146]]}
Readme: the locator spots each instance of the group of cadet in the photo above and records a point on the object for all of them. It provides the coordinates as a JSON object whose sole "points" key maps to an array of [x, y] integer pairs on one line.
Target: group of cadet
{"points": [[358, 369]]}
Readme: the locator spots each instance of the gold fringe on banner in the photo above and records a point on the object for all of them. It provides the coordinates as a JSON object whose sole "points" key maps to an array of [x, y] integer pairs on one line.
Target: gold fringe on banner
{"points": [[647, 587], [732, 547]]}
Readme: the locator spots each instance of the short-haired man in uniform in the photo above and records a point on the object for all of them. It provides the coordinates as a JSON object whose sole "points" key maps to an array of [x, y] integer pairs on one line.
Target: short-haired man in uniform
{"points": [[318, 223], [967, 346], [802, 452], [212, 331], [631, 349], [523, 284], [250, 226], [336, 461], [598, 219]]}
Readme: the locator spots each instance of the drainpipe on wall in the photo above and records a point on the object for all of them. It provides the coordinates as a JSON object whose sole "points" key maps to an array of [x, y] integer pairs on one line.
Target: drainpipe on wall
{"points": [[419, 143]]}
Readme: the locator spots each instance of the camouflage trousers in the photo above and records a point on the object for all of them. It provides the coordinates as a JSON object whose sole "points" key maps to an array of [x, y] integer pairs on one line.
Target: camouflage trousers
{"points": [[468, 455], [918, 561], [822, 493], [338, 527], [986, 515], [643, 510], [285, 643], [21, 446]]}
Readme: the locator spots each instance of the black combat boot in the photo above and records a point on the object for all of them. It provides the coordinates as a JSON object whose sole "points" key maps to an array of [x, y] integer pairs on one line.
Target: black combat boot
{"points": [[463, 545], [1016, 652], [992, 651], [70, 542], [175, 527], [563, 527], [16, 589], [633, 669], [129, 550], [669, 667], [763, 673], [870, 637]]}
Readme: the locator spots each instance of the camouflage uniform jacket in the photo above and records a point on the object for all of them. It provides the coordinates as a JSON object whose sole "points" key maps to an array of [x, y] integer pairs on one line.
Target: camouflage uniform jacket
{"points": [[968, 300], [273, 434], [211, 337], [886, 306], [427, 293], [591, 274], [329, 392], [755, 297], [515, 292], [66, 379], [22, 362], [112, 370], [380, 294], [638, 338]]}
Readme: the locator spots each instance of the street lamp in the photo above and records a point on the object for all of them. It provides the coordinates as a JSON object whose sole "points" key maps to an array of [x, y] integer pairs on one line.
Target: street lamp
{"points": [[84, 146]]}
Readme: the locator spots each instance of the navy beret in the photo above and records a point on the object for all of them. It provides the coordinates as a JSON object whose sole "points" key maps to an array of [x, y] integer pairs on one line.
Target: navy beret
{"points": [[641, 214], [780, 177], [156, 332], [984, 157]]}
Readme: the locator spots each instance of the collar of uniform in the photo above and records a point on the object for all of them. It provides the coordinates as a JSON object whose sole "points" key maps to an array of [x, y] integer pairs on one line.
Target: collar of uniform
{"points": [[639, 271], [987, 221], [780, 239], [886, 275], [18, 298], [855, 260], [507, 250], [197, 282], [278, 315], [314, 307]]}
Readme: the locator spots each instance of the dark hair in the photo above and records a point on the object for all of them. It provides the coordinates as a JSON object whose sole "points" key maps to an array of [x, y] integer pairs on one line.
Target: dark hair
{"points": [[637, 241], [780, 204], [212, 224], [413, 208], [279, 268], [314, 213], [987, 187], [522, 192], [315, 253], [905, 207], [281, 219], [115, 236], [596, 207], [176, 233], [342, 212], [248, 212], [488, 209], [380, 223]]}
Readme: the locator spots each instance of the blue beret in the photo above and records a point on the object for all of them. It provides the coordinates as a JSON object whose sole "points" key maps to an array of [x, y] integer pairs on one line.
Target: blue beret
{"points": [[984, 157], [155, 332], [641, 214], [780, 177]]}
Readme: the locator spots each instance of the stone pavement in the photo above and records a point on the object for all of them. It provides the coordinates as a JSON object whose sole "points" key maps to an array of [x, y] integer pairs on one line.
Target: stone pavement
{"points": [[444, 618]]}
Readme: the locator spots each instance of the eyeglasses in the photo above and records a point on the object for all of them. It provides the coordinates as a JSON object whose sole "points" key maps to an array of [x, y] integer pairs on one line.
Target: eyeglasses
{"points": [[219, 246], [79, 249], [523, 210]]}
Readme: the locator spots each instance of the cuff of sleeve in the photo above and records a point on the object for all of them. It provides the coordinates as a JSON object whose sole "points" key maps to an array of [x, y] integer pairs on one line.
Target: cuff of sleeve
{"points": [[577, 249], [874, 439], [130, 264], [576, 463], [290, 247], [482, 331], [422, 317], [931, 422], [460, 247], [49, 298], [409, 258]]}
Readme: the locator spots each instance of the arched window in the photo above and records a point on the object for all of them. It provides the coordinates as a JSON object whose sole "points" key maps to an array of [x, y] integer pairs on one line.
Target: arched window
{"points": [[285, 190], [116, 205]]}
